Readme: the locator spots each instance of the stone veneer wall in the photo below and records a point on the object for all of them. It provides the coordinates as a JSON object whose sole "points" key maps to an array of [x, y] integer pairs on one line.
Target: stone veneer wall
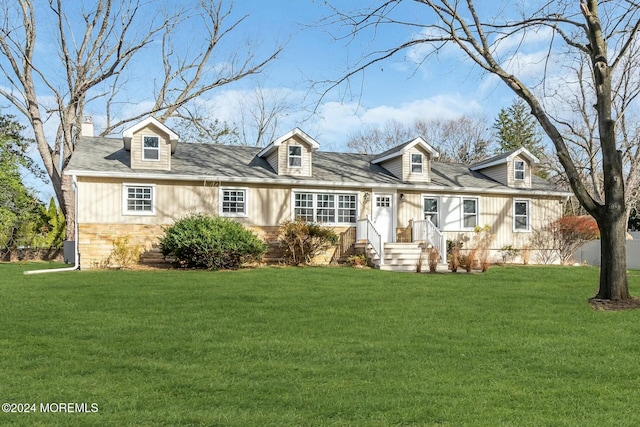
{"points": [[96, 242]]}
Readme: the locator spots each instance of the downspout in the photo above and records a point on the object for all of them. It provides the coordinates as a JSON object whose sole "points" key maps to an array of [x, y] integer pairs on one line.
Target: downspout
{"points": [[76, 264]]}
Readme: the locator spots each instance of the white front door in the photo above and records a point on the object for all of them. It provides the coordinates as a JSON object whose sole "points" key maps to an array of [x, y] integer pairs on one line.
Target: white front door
{"points": [[383, 216]]}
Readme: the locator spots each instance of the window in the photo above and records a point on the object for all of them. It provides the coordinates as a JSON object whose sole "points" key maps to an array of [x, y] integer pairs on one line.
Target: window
{"points": [[521, 215], [347, 208], [518, 167], [383, 201], [325, 207], [150, 148], [469, 213], [303, 207], [430, 209], [234, 202], [295, 156], [138, 200], [416, 163]]}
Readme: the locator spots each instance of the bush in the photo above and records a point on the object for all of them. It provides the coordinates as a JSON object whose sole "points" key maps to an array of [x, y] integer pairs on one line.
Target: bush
{"points": [[302, 241], [124, 254], [563, 237], [215, 243]]}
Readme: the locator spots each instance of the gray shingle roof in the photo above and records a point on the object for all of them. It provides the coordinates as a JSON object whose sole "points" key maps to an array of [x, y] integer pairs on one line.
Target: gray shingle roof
{"points": [[106, 156]]}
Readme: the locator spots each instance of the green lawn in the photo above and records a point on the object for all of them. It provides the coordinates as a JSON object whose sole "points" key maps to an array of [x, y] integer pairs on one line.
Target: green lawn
{"points": [[318, 346]]}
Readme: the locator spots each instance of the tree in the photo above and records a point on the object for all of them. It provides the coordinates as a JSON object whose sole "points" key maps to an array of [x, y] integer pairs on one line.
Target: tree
{"points": [[97, 44], [515, 128], [18, 204], [462, 140], [488, 40]]}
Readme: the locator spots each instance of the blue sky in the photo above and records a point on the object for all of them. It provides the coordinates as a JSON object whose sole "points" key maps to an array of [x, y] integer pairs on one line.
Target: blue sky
{"points": [[446, 87]]}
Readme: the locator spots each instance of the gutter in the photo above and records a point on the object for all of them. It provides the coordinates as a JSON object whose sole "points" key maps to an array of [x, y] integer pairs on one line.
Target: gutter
{"points": [[315, 183], [76, 264]]}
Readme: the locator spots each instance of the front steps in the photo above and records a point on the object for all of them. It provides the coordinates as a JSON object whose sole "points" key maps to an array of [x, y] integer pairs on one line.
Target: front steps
{"points": [[397, 256]]}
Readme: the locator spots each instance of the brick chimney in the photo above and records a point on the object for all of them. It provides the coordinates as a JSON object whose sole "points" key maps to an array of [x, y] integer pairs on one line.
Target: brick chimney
{"points": [[87, 126]]}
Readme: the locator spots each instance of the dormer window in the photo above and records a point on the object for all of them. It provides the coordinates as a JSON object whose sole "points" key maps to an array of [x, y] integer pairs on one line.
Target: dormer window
{"points": [[518, 168], [150, 148], [295, 156], [416, 163]]}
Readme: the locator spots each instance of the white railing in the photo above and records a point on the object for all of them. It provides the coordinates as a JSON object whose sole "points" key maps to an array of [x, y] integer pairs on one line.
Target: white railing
{"points": [[426, 231], [366, 231]]}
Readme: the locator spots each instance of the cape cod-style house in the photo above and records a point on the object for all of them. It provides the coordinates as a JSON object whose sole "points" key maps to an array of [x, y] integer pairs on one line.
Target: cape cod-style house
{"points": [[136, 185]]}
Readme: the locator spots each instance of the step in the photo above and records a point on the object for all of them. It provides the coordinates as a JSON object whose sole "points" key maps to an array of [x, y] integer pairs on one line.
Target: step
{"points": [[399, 268]]}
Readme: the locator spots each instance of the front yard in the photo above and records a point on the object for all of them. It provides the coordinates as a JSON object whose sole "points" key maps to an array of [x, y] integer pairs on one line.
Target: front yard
{"points": [[317, 346]]}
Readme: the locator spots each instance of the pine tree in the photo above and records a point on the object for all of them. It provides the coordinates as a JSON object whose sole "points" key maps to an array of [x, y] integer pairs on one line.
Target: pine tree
{"points": [[516, 127]]}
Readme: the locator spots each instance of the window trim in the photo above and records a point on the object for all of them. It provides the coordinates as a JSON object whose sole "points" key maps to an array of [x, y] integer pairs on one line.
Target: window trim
{"points": [[290, 156], [516, 170], [528, 216], [412, 163], [463, 214], [244, 214], [156, 149], [125, 199], [336, 205], [438, 208]]}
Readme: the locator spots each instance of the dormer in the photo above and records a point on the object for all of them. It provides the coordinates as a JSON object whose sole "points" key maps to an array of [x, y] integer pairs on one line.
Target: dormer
{"points": [[291, 154], [513, 169], [151, 145], [410, 161]]}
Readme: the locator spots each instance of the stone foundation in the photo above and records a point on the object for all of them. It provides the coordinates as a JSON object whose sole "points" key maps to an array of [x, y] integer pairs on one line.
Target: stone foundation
{"points": [[96, 244]]}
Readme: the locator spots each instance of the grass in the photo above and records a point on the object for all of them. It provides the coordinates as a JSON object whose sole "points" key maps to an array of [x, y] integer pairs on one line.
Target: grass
{"points": [[318, 346]]}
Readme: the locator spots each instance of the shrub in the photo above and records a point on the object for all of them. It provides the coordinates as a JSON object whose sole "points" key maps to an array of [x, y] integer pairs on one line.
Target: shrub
{"points": [[202, 241], [124, 254], [302, 241], [434, 256], [357, 261], [563, 237], [508, 252]]}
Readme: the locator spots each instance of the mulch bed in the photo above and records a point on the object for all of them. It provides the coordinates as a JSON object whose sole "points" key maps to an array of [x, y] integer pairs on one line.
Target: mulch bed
{"points": [[614, 305]]}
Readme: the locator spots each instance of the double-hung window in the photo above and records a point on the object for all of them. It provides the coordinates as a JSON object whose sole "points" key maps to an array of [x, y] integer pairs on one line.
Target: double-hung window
{"points": [[430, 210], [469, 213], [295, 156], [303, 207], [138, 199], [150, 148], [416, 163], [234, 202], [521, 215], [518, 170], [325, 207], [347, 208]]}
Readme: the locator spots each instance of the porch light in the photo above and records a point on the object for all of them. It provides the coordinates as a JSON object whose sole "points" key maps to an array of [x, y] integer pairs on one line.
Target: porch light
{"points": [[402, 197], [366, 197]]}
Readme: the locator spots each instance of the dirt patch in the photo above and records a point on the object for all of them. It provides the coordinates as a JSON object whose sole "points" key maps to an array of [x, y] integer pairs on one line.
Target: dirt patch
{"points": [[614, 305]]}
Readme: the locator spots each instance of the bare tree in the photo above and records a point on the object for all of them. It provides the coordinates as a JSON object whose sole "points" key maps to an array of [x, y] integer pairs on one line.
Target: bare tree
{"points": [[97, 43], [259, 113], [579, 28], [464, 140], [374, 139]]}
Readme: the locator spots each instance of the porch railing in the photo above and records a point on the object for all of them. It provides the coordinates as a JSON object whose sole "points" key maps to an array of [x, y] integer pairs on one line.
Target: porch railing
{"points": [[426, 231], [366, 231]]}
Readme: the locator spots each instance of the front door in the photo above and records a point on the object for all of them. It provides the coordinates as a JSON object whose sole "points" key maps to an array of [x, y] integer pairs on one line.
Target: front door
{"points": [[383, 216]]}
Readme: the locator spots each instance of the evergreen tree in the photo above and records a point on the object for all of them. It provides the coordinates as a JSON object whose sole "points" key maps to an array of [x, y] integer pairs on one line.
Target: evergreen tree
{"points": [[18, 204], [515, 127]]}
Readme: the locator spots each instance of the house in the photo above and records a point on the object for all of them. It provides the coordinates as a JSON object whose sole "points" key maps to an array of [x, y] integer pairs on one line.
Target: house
{"points": [[136, 185]]}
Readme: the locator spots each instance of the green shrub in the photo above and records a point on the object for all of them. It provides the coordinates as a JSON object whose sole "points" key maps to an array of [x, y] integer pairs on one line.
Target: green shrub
{"points": [[302, 241], [202, 241]]}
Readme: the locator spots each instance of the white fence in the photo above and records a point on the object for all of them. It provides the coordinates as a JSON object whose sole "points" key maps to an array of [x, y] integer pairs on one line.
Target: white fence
{"points": [[590, 254]]}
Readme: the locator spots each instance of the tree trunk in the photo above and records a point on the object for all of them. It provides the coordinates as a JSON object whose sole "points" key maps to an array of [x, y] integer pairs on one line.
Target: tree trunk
{"points": [[613, 258], [69, 206]]}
